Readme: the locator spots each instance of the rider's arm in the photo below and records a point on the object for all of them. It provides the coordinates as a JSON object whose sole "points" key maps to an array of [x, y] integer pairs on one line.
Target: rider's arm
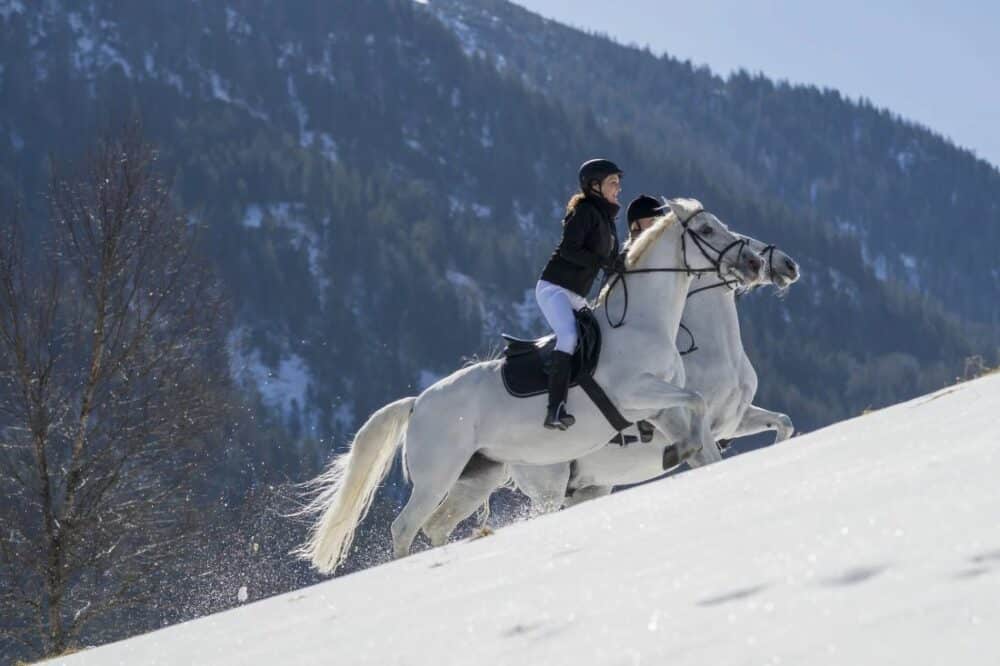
{"points": [[578, 224]]}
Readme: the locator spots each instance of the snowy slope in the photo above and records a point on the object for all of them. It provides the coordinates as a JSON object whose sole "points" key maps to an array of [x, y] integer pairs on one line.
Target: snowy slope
{"points": [[874, 541]]}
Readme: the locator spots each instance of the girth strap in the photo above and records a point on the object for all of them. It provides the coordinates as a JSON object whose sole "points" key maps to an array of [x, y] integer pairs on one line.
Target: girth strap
{"points": [[603, 402]]}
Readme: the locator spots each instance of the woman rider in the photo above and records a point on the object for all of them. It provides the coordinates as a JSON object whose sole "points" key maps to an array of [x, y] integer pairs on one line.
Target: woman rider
{"points": [[589, 243]]}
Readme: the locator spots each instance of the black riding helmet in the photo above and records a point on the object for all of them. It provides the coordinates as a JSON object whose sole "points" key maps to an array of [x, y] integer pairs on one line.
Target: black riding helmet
{"points": [[593, 171], [644, 206]]}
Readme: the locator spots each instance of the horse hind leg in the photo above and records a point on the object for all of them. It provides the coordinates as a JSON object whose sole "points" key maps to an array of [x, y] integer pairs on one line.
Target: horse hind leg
{"points": [[479, 479], [585, 494], [433, 466]]}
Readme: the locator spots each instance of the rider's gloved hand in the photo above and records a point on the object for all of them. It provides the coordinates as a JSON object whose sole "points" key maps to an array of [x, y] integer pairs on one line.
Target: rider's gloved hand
{"points": [[615, 264]]}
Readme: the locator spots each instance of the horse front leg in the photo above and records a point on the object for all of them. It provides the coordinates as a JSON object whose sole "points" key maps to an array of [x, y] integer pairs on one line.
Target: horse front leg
{"points": [[757, 419], [682, 415], [545, 485]]}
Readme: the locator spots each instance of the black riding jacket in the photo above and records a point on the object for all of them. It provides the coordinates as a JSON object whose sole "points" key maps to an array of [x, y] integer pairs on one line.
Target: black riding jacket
{"points": [[589, 242]]}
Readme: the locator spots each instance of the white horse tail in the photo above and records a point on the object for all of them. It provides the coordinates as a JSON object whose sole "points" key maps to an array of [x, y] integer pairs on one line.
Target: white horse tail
{"points": [[345, 490]]}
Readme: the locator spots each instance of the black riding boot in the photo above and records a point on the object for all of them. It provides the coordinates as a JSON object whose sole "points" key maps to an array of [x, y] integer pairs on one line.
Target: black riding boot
{"points": [[557, 417]]}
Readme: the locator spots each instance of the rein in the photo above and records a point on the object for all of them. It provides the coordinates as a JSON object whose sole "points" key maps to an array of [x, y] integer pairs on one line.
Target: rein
{"points": [[768, 250], [701, 244]]}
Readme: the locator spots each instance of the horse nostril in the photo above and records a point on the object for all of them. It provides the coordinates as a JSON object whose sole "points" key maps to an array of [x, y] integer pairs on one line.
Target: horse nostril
{"points": [[791, 266]]}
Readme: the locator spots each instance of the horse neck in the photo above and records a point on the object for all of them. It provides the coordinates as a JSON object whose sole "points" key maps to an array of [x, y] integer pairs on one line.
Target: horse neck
{"points": [[712, 317], [656, 300]]}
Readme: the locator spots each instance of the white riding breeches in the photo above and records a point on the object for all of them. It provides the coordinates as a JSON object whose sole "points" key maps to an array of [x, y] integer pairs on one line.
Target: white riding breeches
{"points": [[558, 304]]}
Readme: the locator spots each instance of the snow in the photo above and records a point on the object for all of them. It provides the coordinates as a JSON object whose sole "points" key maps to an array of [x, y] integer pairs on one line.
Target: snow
{"points": [[878, 264], [279, 386], [289, 215], [174, 79], [466, 36], [16, 140], [8, 7], [306, 137], [873, 541], [93, 51], [528, 314], [328, 147], [912, 272], [237, 24], [343, 415], [253, 216], [481, 210], [525, 219], [221, 91], [322, 69], [461, 280], [904, 160], [286, 51], [486, 137]]}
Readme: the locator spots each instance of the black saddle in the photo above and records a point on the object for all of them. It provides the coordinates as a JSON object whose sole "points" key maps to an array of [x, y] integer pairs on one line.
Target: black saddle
{"points": [[525, 362]]}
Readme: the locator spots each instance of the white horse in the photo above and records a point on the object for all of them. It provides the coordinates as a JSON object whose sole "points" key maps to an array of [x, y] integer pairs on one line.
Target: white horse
{"points": [[718, 369], [468, 417]]}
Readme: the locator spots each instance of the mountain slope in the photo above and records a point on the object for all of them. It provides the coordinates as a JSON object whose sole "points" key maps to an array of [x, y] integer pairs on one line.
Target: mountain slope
{"points": [[926, 212], [871, 541], [378, 202]]}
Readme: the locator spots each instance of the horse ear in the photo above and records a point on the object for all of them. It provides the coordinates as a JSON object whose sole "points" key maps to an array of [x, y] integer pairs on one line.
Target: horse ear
{"points": [[683, 208]]}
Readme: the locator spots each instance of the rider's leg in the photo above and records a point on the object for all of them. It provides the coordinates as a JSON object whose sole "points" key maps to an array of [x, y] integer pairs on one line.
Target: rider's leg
{"points": [[558, 304]]}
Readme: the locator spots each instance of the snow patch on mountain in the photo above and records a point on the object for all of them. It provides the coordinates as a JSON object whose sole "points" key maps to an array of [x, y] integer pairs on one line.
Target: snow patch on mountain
{"points": [[94, 52], [904, 159], [221, 90], [16, 140], [306, 137], [290, 216], [236, 23], [528, 315], [9, 7], [910, 267], [279, 386]]}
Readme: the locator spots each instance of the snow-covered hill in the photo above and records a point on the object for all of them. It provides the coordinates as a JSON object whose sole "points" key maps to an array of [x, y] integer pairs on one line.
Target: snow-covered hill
{"points": [[874, 541]]}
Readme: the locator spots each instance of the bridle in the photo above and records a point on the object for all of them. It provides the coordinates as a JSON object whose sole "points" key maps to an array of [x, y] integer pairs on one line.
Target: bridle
{"points": [[703, 246], [768, 250]]}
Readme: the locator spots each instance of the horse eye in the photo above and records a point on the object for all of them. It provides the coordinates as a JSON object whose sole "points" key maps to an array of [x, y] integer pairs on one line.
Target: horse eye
{"points": [[706, 231]]}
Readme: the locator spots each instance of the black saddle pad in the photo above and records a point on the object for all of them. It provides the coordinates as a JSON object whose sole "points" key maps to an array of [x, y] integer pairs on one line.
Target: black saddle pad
{"points": [[525, 361]]}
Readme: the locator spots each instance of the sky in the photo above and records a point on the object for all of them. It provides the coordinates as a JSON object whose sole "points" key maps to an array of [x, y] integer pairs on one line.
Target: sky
{"points": [[936, 63]]}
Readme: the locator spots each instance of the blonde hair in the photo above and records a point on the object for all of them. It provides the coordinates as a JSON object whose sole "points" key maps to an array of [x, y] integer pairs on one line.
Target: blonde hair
{"points": [[573, 201]]}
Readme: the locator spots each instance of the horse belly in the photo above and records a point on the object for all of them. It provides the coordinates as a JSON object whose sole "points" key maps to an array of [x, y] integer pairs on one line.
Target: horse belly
{"points": [[615, 465], [523, 441]]}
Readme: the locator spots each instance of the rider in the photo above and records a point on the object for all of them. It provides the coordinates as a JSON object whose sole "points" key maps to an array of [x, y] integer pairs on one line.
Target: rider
{"points": [[589, 243], [641, 213]]}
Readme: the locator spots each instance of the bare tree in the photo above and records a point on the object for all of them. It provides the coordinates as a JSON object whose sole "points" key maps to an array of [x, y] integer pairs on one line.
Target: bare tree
{"points": [[111, 378]]}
